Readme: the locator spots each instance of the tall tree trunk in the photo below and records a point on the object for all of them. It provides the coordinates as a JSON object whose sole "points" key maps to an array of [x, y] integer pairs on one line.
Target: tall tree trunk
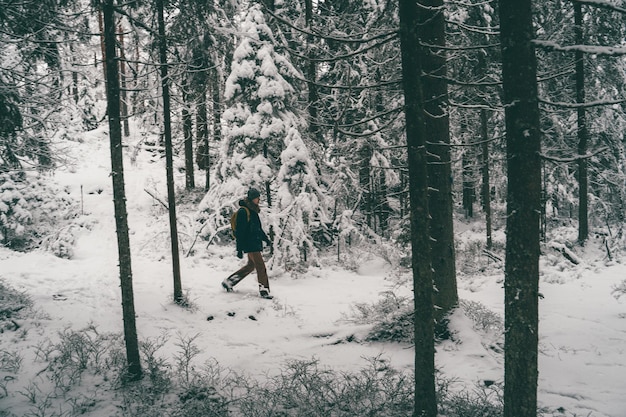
{"points": [[425, 399], [74, 76], [521, 285], [124, 102], [217, 114], [365, 182], [468, 180], [467, 174], [102, 44], [383, 205], [583, 133], [119, 195], [188, 136], [486, 191], [431, 28], [169, 164], [311, 76], [202, 131]]}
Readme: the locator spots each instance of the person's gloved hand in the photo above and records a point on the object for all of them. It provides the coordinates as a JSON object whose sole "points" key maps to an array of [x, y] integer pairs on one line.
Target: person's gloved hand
{"points": [[240, 254]]}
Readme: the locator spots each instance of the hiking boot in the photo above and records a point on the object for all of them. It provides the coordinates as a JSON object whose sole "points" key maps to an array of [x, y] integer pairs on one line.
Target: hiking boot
{"points": [[265, 292], [226, 285]]}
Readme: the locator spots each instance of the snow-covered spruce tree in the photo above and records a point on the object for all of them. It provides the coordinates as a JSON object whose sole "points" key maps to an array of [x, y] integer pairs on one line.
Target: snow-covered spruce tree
{"points": [[262, 148], [299, 206], [32, 209]]}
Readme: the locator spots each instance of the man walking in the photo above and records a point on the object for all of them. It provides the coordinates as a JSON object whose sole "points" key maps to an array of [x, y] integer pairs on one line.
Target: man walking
{"points": [[250, 236]]}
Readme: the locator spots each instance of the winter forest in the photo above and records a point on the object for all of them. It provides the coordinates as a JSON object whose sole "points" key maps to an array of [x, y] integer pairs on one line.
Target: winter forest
{"points": [[453, 150]]}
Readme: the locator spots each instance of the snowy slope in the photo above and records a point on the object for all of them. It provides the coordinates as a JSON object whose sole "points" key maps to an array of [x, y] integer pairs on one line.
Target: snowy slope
{"points": [[583, 326]]}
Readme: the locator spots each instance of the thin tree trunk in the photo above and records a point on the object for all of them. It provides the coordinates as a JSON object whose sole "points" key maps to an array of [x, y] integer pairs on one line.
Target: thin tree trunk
{"points": [[169, 164], [119, 195], [468, 175], [365, 182], [521, 285], [202, 132], [486, 181], [217, 114], [102, 44], [74, 77], [188, 137], [431, 30], [583, 133], [124, 102], [425, 399], [311, 76]]}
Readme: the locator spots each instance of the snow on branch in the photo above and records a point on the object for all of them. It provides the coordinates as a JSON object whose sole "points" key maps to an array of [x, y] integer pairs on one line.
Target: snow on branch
{"points": [[588, 104], [604, 4], [587, 49], [364, 37], [356, 52], [572, 158]]}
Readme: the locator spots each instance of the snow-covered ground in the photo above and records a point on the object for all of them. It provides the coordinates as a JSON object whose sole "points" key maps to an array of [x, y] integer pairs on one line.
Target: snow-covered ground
{"points": [[582, 363]]}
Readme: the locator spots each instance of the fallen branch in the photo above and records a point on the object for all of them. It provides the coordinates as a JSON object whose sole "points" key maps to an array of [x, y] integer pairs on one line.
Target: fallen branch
{"points": [[157, 199], [195, 239], [492, 256], [567, 253]]}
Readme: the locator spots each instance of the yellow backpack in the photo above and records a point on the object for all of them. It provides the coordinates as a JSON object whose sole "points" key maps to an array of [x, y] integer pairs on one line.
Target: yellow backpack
{"points": [[233, 221]]}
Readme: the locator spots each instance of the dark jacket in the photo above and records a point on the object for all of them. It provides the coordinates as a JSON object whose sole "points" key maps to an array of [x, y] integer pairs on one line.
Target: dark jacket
{"points": [[250, 234]]}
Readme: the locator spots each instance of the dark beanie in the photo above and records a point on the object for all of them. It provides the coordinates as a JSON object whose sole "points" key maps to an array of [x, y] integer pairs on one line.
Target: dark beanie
{"points": [[253, 193]]}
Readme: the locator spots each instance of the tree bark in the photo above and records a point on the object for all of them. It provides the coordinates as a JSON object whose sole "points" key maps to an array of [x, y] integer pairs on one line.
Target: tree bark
{"points": [[486, 191], [431, 30], [521, 286], [425, 399], [217, 116], [311, 76], [365, 183], [102, 45], [582, 131], [119, 195], [123, 100], [202, 132], [188, 137], [468, 179], [169, 164]]}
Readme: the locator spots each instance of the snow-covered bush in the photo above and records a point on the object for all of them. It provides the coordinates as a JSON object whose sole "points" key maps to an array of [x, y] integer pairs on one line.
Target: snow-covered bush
{"points": [[29, 209], [61, 242], [484, 401], [472, 255], [392, 318], [11, 303]]}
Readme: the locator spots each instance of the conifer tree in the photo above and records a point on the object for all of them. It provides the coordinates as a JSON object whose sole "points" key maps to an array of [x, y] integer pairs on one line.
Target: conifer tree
{"points": [[521, 285], [119, 197], [262, 147]]}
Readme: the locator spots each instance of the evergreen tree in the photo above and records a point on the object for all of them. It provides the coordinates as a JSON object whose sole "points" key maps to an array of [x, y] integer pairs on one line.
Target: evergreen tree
{"points": [[32, 95], [580, 146], [431, 30], [262, 146], [299, 212], [423, 326], [521, 286], [134, 371]]}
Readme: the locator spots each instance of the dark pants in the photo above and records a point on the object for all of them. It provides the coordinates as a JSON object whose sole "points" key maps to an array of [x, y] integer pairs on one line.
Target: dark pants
{"points": [[255, 261]]}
